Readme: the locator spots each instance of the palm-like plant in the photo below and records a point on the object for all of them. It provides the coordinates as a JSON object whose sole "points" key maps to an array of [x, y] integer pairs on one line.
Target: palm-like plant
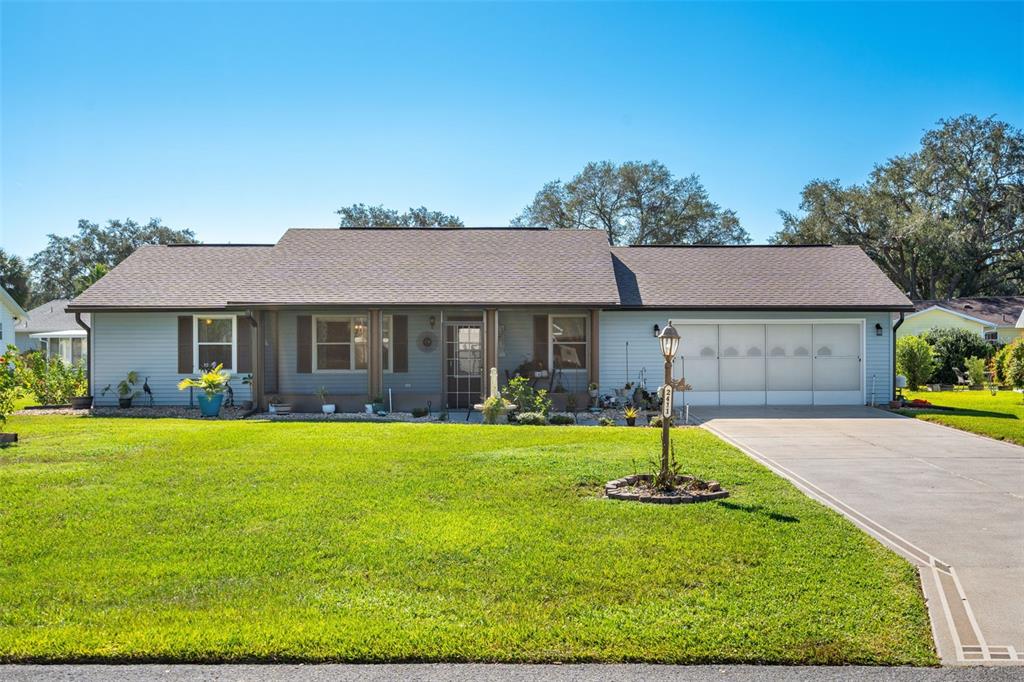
{"points": [[211, 382]]}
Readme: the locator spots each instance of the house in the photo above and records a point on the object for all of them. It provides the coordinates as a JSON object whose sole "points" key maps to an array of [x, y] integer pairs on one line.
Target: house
{"points": [[997, 318], [10, 314], [49, 328], [418, 315]]}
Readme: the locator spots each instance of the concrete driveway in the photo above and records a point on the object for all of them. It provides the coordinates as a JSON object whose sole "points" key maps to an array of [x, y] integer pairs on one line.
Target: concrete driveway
{"points": [[949, 501]]}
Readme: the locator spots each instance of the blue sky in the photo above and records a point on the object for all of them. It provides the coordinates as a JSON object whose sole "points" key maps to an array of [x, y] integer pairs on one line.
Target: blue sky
{"points": [[240, 120]]}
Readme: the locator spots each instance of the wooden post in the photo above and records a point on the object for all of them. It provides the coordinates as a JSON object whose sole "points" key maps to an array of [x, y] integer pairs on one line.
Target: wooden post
{"points": [[594, 363], [666, 416], [375, 356]]}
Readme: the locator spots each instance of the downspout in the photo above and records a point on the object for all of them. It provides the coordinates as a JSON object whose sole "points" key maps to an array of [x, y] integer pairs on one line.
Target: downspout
{"points": [[894, 328], [88, 351]]}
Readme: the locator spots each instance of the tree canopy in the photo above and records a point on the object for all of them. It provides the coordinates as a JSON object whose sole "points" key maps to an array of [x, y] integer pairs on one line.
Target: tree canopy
{"points": [[361, 215], [635, 203], [67, 263], [942, 222], [14, 277]]}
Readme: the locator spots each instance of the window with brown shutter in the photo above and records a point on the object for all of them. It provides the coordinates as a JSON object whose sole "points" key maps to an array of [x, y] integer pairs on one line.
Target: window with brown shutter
{"points": [[540, 340], [184, 344], [244, 347], [400, 343]]}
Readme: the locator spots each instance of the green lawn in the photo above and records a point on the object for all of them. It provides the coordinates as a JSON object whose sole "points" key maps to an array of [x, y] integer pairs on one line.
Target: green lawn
{"points": [[179, 540], [999, 416]]}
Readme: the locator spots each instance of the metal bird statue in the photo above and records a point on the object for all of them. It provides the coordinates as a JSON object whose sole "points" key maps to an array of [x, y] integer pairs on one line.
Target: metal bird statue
{"points": [[229, 399], [148, 391]]}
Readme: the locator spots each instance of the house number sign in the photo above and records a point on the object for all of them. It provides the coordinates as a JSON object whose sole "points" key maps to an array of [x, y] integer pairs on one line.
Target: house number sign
{"points": [[666, 406]]}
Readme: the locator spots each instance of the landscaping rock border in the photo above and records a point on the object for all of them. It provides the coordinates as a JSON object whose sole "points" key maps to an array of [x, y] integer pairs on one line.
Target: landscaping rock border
{"points": [[626, 488]]}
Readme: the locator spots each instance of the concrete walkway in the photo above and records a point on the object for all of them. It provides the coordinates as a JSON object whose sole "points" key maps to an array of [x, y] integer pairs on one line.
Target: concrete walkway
{"points": [[949, 501]]}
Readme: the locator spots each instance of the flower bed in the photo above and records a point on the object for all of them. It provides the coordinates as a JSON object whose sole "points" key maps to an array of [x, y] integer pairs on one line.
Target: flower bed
{"points": [[686, 490]]}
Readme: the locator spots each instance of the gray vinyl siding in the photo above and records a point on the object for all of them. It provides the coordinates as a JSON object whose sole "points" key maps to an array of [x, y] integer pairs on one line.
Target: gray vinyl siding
{"points": [[23, 341], [148, 344], [423, 379], [643, 354], [290, 382]]}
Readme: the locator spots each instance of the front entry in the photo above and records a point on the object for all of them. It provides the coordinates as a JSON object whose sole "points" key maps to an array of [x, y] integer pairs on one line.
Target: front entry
{"points": [[463, 362]]}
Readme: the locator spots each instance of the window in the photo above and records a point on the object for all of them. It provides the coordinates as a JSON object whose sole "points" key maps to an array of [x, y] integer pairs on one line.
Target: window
{"points": [[215, 341], [340, 344], [992, 335], [568, 341]]}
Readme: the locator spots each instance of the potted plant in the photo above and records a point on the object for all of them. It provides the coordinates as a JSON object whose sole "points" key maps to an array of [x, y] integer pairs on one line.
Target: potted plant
{"points": [[211, 385], [592, 390], [630, 413], [247, 381], [378, 405], [125, 390], [328, 408]]}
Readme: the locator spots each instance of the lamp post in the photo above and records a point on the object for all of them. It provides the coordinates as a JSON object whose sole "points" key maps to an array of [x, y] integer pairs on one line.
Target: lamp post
{"points": [[669, 340]]}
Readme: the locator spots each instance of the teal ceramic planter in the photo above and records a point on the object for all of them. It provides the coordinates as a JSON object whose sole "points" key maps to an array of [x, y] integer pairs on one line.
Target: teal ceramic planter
{"points": [[210, 407]]}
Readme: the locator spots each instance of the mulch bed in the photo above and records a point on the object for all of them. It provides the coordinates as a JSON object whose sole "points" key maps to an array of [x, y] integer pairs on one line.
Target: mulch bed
{"points": [[687, 490]]}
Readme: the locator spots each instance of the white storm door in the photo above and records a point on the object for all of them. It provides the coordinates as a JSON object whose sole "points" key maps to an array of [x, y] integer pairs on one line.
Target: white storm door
{"points": [[789, 364], [698, 350], [741, 364], [837, 364]]}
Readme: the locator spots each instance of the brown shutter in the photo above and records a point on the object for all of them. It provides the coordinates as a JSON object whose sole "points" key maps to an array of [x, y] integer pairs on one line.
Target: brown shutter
{"points": [[244, 345], [304, 342], [400, 343], [185, 344], [540, 340]]}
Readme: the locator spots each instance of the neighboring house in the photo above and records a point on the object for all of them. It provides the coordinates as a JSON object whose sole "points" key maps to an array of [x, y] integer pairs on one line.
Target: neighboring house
{"points": [[10, 314], [418, 315], [49, 328], [997, 318]]}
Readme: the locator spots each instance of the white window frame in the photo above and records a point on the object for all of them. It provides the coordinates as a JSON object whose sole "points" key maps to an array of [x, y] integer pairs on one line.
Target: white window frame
{"points": [[195, 340], [586, 342], [352, 345]]}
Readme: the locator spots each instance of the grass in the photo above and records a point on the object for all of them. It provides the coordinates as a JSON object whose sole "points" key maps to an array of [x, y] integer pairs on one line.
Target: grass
{"points": [[179, 540], [999, 416]]}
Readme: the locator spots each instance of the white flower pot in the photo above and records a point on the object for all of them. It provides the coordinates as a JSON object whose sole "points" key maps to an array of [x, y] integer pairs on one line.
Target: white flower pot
{"points": [[369, 408], [329, 409]]}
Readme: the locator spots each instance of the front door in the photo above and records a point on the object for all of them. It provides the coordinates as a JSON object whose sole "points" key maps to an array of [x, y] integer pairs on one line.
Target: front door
{"points": [[463, 361]]}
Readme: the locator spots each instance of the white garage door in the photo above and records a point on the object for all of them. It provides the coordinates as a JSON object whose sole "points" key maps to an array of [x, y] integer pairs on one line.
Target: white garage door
{"points": [[772, 364]]}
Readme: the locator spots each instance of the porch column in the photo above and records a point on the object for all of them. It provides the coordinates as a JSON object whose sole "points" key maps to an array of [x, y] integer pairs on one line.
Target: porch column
{"points": [[375, 358], [256, 386], [490, 346], [593, 364]]}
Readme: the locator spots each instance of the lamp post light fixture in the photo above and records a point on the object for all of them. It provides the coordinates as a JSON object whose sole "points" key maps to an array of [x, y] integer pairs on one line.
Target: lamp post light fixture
{"points": [[669, 340]]}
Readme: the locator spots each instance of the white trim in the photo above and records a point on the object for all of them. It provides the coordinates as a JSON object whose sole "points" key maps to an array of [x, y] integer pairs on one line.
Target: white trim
{"points": [[586, 342], [17, 311], [351, 344], [195, 340], [67, 334], [391, 342], [827, 395], [1020, 321], [984, 323]]}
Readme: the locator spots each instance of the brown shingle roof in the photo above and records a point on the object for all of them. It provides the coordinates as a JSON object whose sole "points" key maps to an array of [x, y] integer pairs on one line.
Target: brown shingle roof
{"points": [[741, 277], [489, 267], [1000, 311], [176, 277], [50, 317]]}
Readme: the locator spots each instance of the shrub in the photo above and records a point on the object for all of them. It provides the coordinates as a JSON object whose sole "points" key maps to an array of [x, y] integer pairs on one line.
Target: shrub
{"points": [[525, 397], [999, 364], [50, 380], [914, 360], [975, 370], [493, 407], [1015, 364], [656, 421], [952, 347], [561, 420], [418, 412], [8, 382], [531, 419], [606, 421]]}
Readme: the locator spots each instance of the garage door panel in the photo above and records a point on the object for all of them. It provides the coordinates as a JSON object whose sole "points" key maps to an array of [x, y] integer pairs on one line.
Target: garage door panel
{"points": [[789, 374]]}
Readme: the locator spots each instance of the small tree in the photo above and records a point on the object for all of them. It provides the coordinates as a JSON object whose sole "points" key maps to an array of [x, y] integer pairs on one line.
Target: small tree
{"points": [[975, 370], [914, 360], [1015, 364], [8, 382], [998, 365]]}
